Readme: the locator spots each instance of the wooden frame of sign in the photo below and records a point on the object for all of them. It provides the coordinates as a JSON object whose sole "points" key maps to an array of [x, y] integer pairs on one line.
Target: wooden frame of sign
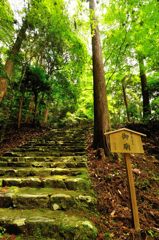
{"points": [[127, 141]]}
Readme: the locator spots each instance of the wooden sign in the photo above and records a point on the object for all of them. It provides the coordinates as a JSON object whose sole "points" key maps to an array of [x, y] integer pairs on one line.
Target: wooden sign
{"points": [[125, 140]]}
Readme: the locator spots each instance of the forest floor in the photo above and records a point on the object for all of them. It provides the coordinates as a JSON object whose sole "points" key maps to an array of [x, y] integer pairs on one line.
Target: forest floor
{"points": [[15, 138], [110, 184]]}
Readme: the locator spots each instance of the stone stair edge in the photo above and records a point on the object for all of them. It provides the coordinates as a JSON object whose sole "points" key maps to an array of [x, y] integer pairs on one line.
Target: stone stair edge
{"points": [[61, 225]]}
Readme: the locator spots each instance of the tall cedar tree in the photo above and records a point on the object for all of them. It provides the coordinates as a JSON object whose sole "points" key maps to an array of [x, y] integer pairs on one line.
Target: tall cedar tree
{"points": [[101, 113], [125, 98], [9, 65], [144, 87]]}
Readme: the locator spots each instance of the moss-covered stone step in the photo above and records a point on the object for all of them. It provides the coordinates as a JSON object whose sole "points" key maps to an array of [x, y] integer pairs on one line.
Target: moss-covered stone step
{"points": [[62, 151], [61, 136], [47, 162], [47, 147], [44, 153], [43, 164], [55, 199], [58, 181], [60, 143], [65, 134], [42, 184], [44, 159], [25, 172], [57, 143], [59, 225], [22, 237]]}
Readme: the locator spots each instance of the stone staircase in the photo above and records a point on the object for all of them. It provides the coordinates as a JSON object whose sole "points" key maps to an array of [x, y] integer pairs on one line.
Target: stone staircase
{"points": [[45, 189]]}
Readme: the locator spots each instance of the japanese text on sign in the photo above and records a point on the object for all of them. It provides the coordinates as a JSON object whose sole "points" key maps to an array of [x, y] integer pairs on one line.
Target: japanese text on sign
{"points": [[126, 142]]}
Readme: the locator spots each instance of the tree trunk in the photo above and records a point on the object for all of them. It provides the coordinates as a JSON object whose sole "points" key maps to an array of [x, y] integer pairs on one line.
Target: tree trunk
{"points": [[31, 109], [35, 109], [144, 87], [101, 114], [9, 65], [46, 114], [125, 99], [20, 111], [3, 87]]}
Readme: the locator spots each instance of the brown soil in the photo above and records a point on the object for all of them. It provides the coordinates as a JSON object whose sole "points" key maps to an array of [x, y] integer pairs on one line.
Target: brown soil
{"points": [[110, 183]]}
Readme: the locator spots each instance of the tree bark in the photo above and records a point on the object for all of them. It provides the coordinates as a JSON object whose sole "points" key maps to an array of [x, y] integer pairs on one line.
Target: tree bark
{"points": [[101, 113], [144, 87], [31, 110], [125, 99], [9, 65], [46, 114], [20, 111], [3, 87], [35, 109]]}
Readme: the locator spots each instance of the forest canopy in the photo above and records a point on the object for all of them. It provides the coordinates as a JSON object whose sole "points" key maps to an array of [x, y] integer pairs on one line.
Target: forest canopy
{"points": [[46, 68]]}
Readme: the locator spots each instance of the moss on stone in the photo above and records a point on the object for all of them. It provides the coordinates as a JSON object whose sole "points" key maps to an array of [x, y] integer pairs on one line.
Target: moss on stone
{"points": [[46, 189], [58, 225]]}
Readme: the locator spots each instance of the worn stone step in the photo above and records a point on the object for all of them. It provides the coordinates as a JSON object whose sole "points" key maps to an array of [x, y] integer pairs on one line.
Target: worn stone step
{"points": [[57, 225], [49, 149], [60, 143], [43, 158], [56, 140], [58, 181], [24, 172], [49, 161], [44, 153], [68, 132], [45, 188], [65, 136], [53, 141], [24, 237], [55, 199], [41, 164]]}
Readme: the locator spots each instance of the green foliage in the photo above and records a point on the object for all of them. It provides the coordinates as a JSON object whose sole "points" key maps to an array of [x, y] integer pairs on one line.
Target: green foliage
{"points": [[6, 23], [153, 233], [143, 185], [35, 80], [63, 56], [50, 44], [153, 84], [2, 231], [107, 236], [56, 48], [1, 68], [130, 29], [117, 106]]}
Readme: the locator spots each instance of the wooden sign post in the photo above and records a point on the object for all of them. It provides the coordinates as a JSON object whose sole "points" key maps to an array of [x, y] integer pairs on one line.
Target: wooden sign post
{"points": [[127, 141]]}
